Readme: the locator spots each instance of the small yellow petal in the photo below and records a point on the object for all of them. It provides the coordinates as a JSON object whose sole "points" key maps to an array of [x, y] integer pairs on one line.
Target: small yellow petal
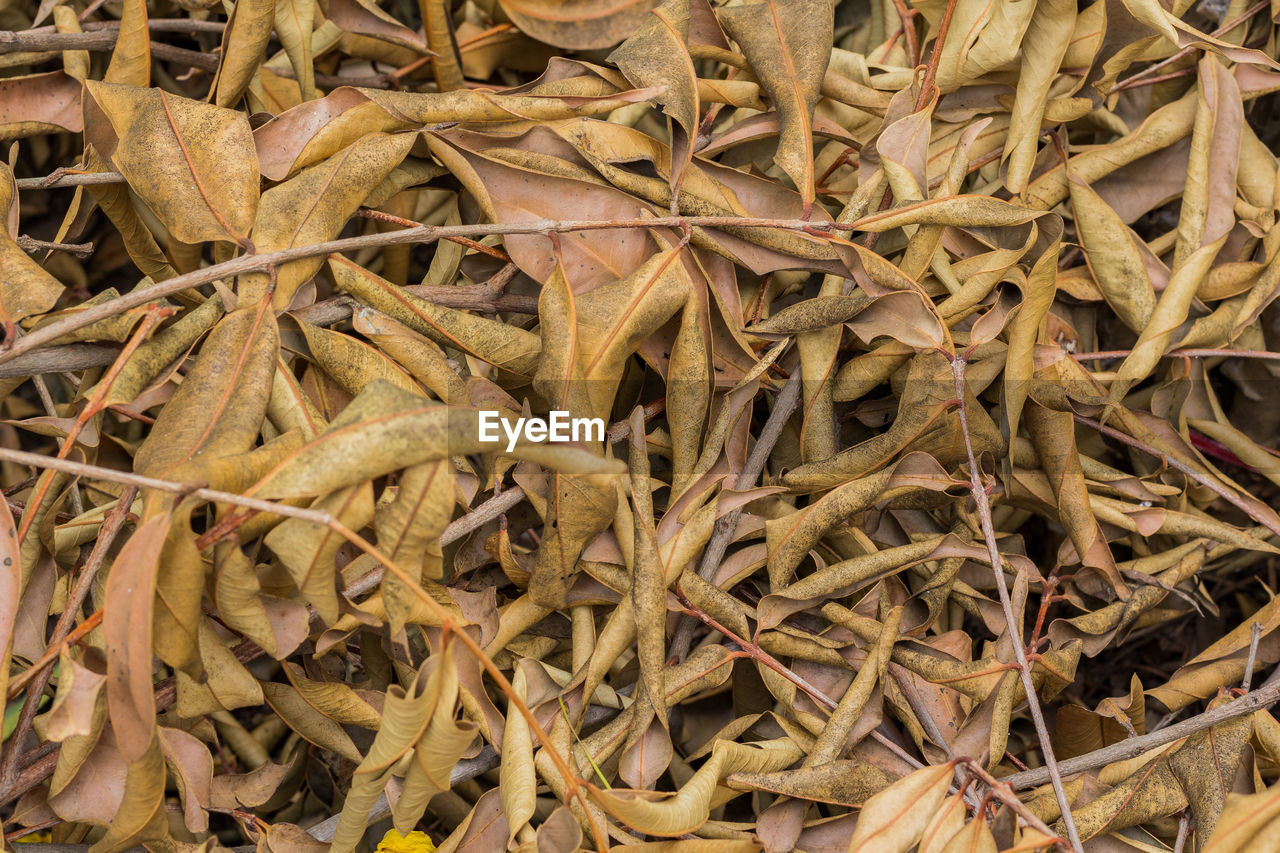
{"points": [[414, 842]]}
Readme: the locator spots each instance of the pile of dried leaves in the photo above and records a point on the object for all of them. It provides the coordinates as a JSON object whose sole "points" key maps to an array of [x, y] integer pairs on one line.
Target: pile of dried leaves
{"points": [[872, 297]]}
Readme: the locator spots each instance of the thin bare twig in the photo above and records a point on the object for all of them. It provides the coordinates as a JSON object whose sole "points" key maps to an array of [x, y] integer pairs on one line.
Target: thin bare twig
{"points": [[1133, 81], [105, 40], [30, 244], [69, 178], [30, 776], [155, 25], [477, 518], [1184, 353], [928, 87], [786, 402], [1166, 720], [96, 472], [33, 41], [153, 316], [1264, 697], [1255, 634], [756, 653], [908, 19], [392, 219], [483, 514], [36, 677], [983, 504], [1002, 792], [1208, 482], [448, 622], [1184, 831], [1162, 78], [423, 234], [51, 409]]}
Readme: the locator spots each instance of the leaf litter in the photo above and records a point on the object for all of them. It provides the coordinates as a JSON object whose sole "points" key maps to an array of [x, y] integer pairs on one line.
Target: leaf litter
{"points": [[933, 501]]}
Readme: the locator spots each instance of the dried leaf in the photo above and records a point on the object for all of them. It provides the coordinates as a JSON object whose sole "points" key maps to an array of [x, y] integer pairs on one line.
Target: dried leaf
{"points": [[894, 819], [786, 43]]}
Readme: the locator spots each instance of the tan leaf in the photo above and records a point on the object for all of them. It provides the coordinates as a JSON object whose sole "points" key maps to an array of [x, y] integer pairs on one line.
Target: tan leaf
{"points": [[129, 602], [894, 819]]}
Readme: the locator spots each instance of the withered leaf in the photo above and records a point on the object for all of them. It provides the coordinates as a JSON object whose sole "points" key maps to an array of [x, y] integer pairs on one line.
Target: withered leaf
{"points": [[917, 344]]}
